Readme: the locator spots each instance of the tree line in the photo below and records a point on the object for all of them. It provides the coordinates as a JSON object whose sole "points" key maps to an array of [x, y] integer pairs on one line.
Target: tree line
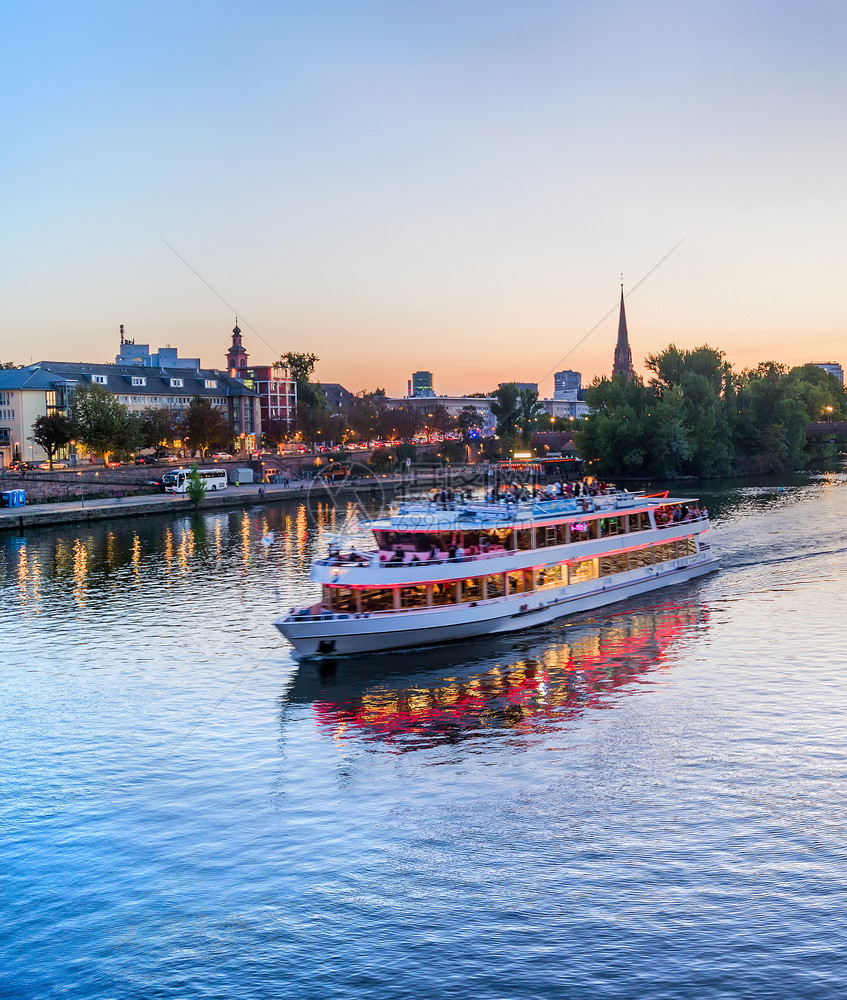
{"points": [[101, 425], [697, 416]]}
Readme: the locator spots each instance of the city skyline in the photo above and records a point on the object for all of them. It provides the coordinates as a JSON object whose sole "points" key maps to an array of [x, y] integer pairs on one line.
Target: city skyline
{"points": [[454, 188]]}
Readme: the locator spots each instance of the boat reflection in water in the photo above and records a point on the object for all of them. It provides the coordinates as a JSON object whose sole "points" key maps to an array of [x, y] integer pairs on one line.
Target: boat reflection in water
{"points": [[519, 685]]}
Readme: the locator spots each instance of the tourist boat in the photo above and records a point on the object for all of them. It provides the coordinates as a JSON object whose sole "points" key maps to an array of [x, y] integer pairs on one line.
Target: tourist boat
{"points": [[448, 570]]}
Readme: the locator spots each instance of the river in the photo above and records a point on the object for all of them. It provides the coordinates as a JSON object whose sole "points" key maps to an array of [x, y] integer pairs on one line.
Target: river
{"points": [[643, 802]]}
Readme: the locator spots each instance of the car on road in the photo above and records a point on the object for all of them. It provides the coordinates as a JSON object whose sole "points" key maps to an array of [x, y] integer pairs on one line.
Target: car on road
{"points": [[145, 459], [221, 455], [46, 465], [170, 458]]}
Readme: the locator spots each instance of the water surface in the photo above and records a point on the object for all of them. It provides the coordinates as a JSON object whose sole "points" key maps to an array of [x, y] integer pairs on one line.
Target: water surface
{"points": [[646, 801]]}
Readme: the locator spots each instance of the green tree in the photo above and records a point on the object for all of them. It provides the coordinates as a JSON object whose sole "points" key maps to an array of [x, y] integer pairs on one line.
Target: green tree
{"points": [[705, 379], [52, 432], [365, 412], [99, 422], [506, 410], [275, 431], [159, 427], [302, 366], [467, 421], [311, 423], [204, 426], [772, 419], [529, 413], [617, 439], [437, 420], [195, 488]]}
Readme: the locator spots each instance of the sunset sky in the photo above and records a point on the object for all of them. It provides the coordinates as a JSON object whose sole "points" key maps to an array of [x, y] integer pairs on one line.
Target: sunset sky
{"points": [[453, 185]]}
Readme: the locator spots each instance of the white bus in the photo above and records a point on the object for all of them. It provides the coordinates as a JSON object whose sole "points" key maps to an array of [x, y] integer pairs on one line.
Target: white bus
{"points": [[176, 481]]}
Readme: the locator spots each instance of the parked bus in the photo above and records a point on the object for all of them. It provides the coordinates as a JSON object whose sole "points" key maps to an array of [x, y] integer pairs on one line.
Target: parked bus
{"points": [[176, 481]]}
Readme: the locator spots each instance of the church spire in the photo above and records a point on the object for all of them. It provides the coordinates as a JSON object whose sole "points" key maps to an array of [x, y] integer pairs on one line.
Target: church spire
{"points": [[236, 356], [623, 354]]}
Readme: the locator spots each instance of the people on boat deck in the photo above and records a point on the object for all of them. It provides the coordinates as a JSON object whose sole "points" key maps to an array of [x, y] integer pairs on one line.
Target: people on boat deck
{"points": [[680, 513]]}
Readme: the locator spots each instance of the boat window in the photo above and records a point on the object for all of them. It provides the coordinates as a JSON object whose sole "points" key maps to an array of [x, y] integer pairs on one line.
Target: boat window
{"points": [[561, 534], [549, 576], [409, 541], [343, 599], [611, 526], [515, 583], [472, 589], [413, 597], [639, 521], [524, 538], [688, 546], [585, 569], [444, 593], [662, 553], [501, 538], [613, 563], [494, 585], [377, 599], [583, 531], [641, 558]]}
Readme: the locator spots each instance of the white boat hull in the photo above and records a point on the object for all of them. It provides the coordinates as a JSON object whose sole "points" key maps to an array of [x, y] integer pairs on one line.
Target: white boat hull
{"points": [[344, 635]]}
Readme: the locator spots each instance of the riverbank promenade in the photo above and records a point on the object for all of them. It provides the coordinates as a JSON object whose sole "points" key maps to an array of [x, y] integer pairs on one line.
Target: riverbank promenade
{"points": [[82, 510], [79, 509]]}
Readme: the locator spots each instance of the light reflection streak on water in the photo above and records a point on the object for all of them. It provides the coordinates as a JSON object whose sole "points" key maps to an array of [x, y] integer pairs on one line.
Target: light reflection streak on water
{"points": [[23, 577], [80, 571], [218, 535], [245, 540], [136, 555], [553, 682], [168, 555]]}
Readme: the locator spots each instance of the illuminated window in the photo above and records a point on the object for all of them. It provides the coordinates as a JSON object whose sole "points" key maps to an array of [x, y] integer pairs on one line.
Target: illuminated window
{"points": [[549, 576], [378, 599], [580, 572], [413, 597], [444, 593]]}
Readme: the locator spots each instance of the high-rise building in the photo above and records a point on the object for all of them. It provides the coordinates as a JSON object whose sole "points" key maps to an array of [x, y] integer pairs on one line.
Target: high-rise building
{"points": [[520, 386], [566, 384], [623, 353], [421, 385]]}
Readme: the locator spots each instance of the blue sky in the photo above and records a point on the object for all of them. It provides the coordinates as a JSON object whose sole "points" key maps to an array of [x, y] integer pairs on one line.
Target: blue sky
{"points": [[452, 186]]}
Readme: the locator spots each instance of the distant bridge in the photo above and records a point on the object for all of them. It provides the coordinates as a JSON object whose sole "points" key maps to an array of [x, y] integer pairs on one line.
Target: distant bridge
{"points": [[834, 430]]}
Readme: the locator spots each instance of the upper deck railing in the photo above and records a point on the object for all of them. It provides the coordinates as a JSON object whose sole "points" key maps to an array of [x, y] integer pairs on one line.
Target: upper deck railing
{"points": [[404, 557], [522, 509]]}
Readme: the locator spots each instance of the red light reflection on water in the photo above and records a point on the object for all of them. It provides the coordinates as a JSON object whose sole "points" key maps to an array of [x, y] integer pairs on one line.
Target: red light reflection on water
{"points": [[525, 691]]}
